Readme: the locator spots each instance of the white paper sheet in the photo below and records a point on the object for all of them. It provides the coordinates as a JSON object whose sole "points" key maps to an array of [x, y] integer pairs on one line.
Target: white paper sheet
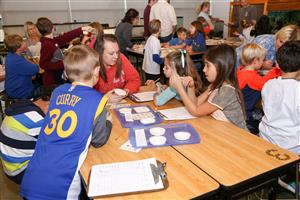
{"points": [[123, 177], [179, 113], [144, 96]]}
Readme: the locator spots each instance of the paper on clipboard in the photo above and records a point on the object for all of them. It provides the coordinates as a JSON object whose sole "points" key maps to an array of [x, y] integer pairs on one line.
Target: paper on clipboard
{"points": [[179, 113], [144, 96], [123, 177]]}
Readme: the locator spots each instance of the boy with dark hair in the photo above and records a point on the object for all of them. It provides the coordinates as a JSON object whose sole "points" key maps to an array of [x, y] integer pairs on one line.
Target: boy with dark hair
{"points": [[19, 71], [51, 55], [77, 117], [180, 41], [281, 101]]}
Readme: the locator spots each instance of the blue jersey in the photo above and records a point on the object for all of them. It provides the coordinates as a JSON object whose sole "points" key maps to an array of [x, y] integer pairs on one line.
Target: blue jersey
{"points": [[63, 143]]}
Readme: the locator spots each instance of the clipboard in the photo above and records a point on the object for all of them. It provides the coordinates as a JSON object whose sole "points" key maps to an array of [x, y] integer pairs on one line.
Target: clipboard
{"points": [[155, 178]]}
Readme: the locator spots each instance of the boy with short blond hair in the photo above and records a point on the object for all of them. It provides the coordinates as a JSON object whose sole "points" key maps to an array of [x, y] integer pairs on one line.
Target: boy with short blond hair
{"points": [[251, 83], [76, 118]]}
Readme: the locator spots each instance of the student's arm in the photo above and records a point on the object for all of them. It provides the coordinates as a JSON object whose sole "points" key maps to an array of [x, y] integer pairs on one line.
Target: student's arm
{"points": [[27, 68], [47, 52], [201, 108], [257, 82], [132, 77], [102, 130], [156, 58], [62, 40]]}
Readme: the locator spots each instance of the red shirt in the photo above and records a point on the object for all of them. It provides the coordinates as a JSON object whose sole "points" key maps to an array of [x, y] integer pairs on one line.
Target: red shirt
{"points": [[253, 79], [129, 78], [146, 21], [48, 47]]}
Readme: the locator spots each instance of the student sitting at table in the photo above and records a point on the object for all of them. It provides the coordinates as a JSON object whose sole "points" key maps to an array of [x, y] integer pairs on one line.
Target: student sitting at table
{"points": [[19, 131], [180, 41], [19, 71], [280, 100], [205, 25], [223, 98], [77, 117], [152, 60], [251, 83], [116, 71], [51, 54], [196, 41], [178, 62]]}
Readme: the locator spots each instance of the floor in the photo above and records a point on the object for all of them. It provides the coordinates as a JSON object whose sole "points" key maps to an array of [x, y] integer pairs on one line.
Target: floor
{"points": [[8, 189]]}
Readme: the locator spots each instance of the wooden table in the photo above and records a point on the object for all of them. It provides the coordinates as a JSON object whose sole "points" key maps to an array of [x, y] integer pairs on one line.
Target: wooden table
{"points": [[239, 161], [235, 158], [186, 180]]}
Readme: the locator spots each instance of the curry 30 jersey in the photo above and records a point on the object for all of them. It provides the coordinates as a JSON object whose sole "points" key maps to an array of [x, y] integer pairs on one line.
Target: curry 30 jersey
{"points": [[63, 142]]}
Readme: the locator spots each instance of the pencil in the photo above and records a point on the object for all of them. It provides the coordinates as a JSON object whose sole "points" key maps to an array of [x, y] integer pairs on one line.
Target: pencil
{"points": [[156, 80]]}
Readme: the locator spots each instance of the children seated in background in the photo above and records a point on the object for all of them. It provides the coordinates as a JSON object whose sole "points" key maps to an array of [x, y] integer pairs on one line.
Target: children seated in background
{"points": [[281, 101], [223, 98], [251, 83], [19, 131], [205, 25], [19, 71], [180, 41], [152, 60], [179, 62], [51, 55], [77, 117], [196, 41], [245, 35]]}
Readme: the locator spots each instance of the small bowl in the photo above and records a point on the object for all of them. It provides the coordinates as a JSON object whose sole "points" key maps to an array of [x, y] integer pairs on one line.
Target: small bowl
{"points": [[157, 140]]}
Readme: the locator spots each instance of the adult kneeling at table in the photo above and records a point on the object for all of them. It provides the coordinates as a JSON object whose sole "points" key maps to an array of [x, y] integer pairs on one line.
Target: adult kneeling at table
{"points": [[116, 71]]}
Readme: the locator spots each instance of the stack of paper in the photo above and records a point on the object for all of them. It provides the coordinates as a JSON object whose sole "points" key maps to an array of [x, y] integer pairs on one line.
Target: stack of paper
{"points": [[143, 96], [123, 177]]}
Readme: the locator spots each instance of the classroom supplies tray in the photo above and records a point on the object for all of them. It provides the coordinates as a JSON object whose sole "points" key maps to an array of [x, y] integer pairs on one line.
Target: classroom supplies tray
{"points": [[163, 135], [137, 116]]}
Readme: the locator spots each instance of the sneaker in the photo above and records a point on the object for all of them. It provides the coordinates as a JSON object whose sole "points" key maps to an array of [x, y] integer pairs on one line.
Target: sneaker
{"points": [[289, 186]]}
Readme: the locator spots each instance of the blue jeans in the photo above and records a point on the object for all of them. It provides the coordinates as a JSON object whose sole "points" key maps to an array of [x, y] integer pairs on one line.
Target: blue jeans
{"points": [[166, 39]]}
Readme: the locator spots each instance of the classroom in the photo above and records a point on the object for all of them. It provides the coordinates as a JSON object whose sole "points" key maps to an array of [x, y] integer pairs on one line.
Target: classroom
{"points": [[153, 99]]}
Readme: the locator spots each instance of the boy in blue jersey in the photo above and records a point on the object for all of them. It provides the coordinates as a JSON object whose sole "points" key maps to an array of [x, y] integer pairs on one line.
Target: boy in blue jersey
{"points": [[76, 118]]}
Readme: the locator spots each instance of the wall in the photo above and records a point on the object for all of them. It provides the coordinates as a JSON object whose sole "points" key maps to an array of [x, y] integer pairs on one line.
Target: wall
{"points": [[104, 11]]}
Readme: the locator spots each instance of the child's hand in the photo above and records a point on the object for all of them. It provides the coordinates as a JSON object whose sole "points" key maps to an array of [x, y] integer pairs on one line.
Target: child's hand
{"points": [[187, 81], [165, 45], [135, 47], [114, 98], [87, 29], [189, 48], [108, 116], [151, 84], [267, 64], [175, 81]]}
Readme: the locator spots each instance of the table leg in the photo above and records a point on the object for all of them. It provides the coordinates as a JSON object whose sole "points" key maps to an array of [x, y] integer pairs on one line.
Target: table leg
{"points": [[297, 181]]}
